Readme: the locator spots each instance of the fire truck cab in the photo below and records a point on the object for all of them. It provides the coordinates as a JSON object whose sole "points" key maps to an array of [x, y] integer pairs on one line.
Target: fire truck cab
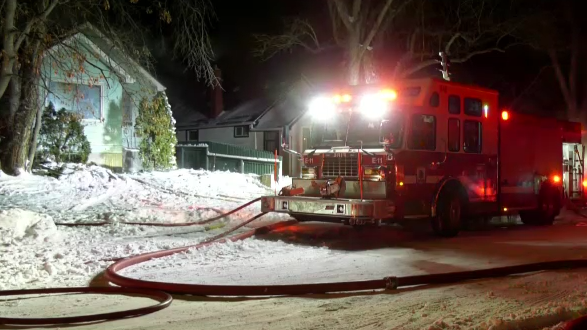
{"points": [[430, 148]]}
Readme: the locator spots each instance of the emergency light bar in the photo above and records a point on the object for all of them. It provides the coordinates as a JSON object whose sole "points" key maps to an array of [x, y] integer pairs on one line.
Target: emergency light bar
{"points": [[372, 105]]}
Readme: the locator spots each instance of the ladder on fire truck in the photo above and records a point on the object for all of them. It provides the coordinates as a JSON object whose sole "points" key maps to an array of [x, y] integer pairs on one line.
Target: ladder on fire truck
{"points": [[573, 166]]}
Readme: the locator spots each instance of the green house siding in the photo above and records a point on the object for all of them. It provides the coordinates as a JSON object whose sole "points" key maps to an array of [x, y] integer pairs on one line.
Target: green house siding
{"points": [[106, 133]]}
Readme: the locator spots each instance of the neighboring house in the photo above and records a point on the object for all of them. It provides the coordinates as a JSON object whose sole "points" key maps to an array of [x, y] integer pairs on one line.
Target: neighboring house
{"points": [[258, 124], [88, 75]]}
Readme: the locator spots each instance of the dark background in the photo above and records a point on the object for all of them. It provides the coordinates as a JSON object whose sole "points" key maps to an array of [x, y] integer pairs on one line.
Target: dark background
{"points": [[522, 75]]}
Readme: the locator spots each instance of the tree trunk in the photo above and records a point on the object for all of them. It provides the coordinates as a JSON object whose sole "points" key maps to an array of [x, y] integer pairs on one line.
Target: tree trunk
{"points": [[354, 60], [8, 45], [35, 138], [15, 145]]}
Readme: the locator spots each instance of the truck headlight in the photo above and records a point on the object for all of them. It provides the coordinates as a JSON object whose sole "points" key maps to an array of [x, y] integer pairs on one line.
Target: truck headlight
{"points": [[322, 108], [373, 106], [309, 173]]}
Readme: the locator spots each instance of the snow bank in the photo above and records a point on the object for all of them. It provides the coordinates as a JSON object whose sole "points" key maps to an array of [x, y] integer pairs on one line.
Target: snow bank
{"points": [[36, 254], [17, 224]]}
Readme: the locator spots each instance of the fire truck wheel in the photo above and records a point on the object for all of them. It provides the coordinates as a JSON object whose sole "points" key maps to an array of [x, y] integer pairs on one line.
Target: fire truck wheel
{"points": [[549, 206], [301, 218], [447, 222]]}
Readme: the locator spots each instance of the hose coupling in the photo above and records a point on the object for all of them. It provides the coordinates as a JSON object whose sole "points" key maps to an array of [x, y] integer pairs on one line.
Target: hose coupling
{"points": [[391, 283]]}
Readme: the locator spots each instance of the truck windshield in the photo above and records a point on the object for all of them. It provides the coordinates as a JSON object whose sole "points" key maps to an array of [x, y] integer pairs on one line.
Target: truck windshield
{"points": [[354, 130]]}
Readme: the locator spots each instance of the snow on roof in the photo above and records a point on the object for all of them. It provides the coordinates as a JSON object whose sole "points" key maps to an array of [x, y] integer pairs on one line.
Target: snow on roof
{"points": [[282, 114], [245, 113]]}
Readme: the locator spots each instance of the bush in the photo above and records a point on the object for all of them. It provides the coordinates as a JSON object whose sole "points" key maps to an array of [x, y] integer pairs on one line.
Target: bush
{"points": [[156, 128], [62, 137]]}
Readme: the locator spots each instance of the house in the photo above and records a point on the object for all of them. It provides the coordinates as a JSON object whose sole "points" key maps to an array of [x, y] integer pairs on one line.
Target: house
{"points": [[87, 74], [258, 124]]}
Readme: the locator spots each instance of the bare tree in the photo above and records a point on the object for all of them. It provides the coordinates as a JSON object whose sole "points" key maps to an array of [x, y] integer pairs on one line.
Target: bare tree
{"points": [[121, 23], [355, 25], [416, 29], [567, 54]]}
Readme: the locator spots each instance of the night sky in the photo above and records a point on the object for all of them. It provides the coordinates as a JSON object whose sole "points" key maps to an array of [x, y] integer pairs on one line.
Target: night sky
{"points": [[246, 77]]}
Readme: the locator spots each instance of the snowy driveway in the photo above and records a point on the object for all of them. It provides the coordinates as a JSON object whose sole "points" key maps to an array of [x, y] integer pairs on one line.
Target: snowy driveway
{"points": [[35, 253], [315, 252]]}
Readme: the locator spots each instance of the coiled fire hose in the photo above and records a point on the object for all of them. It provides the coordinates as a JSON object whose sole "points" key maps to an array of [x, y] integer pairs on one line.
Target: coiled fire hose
{"points": [[160, 290], [163, 298]]}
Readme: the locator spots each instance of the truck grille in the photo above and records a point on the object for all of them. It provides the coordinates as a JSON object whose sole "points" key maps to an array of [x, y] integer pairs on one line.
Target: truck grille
{"points": [[344, 166]]}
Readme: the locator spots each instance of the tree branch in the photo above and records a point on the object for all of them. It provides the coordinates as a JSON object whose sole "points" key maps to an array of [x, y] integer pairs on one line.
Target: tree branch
{"points": [[33, 21], [343, 14], [562, 81], [297, 31], [375, 27]]}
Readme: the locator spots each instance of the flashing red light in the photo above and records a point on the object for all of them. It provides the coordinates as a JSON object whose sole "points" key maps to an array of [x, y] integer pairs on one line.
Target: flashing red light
{"points": [[505, 115]]}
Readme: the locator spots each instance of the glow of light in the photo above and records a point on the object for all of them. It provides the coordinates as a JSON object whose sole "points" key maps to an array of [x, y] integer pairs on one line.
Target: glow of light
{"points": [[505, 209], [556, 179], [401, 183], [346, 98], [486, 110], [322, 108], [585, 183], [388, 94], [373, 106], [505, 115]]}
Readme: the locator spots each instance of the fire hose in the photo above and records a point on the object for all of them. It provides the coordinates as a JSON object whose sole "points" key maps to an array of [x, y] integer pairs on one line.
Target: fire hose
{"points": [[160, 224], [160, 290]]}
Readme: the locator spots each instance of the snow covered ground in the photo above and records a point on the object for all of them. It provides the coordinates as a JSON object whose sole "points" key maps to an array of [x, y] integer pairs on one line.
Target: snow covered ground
{"points": [[36, 253]]}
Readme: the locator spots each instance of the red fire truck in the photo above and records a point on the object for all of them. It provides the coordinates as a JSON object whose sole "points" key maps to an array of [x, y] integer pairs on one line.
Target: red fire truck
{"points": [[430, 148]]}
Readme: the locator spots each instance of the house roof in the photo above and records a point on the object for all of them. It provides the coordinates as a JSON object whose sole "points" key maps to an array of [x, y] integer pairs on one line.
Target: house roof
{"points": [[111, 55], [266, 113], [282, 114], [244, 114]]}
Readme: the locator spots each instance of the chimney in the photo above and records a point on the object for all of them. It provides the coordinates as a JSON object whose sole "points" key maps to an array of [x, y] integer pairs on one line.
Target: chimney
{"points": [[217, 102]]}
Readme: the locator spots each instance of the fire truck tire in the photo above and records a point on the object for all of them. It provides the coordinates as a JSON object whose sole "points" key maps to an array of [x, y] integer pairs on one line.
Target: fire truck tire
{"points": [[549, 206], [301, 218], [448, 220]]}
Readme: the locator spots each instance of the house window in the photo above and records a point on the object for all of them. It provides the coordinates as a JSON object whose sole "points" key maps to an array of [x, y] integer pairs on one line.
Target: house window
{"points": [[473, 107], [85, 100], [454, 134], [434, 100], [423, 133], [241, 131], [472, 136], [454, 104], [271, 141], [193, 135]]}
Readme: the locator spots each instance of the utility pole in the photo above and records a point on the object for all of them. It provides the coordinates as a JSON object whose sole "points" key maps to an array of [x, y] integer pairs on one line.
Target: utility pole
{"points": [[445, 65]]}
